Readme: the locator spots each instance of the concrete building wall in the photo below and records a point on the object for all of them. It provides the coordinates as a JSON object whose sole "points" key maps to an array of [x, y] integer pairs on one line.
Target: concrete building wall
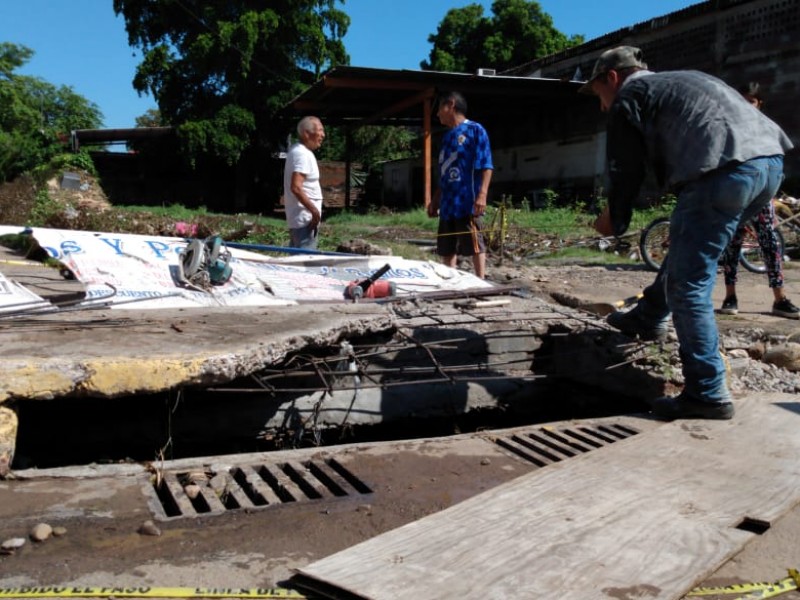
{"points": [[736, 40]]}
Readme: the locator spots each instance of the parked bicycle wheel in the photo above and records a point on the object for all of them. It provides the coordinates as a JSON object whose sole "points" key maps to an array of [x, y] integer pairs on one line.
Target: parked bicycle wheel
{"points": [[791, 236], [751, 257], [654, 243]]}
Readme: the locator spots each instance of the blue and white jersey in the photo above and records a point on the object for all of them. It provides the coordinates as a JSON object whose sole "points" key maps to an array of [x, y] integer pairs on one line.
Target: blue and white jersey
{"points": [[464, 153]]}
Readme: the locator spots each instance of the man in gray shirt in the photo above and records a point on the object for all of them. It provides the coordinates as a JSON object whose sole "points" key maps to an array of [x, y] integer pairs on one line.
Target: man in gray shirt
{"points": [[724, 160]]}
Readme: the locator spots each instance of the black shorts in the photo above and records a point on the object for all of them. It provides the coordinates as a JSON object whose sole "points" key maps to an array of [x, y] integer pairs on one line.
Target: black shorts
{"points": [[463, 237]]}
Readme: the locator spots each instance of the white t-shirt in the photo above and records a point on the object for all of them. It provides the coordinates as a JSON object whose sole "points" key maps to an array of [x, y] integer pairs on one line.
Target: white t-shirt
{"points": [[300, 159]]}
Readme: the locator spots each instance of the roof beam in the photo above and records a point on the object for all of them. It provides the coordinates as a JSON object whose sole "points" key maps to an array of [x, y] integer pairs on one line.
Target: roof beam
{"points": [[419, 98], [370, 84]]}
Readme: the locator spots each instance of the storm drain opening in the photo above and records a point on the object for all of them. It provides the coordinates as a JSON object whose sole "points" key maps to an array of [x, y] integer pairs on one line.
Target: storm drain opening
{"points": [[203, 492], [427, 379], [757, 526], [545, 446]]}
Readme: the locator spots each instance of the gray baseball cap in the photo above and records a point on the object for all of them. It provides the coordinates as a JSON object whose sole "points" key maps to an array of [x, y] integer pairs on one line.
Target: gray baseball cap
{"points": [[621, 57]]}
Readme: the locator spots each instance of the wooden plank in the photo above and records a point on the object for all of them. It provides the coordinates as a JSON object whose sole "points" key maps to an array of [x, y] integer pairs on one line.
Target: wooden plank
{"points": [[651, 515]]}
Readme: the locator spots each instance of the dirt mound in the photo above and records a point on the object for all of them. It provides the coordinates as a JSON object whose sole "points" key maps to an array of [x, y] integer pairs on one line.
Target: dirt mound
{"points": [[17, 201], [24, 199], [27, 201], [89, 195]]}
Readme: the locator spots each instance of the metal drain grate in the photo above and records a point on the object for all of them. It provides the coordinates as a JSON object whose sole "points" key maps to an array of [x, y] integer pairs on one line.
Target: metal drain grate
{"points": [[546, 446], [202, 492]]}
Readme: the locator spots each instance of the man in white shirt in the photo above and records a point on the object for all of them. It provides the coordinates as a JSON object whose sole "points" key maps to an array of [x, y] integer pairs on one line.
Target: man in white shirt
{"points": [[301, 188]]}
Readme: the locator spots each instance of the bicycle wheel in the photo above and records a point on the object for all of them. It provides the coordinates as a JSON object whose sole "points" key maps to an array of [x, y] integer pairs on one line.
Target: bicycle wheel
{"points": [[654, 243], [791, 237], [751, 257]]}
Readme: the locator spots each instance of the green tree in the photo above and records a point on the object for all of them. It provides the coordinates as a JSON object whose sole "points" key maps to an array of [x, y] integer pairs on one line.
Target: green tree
{"points": [[517, 32], [36, 117], [220, 70], [150, 118]]}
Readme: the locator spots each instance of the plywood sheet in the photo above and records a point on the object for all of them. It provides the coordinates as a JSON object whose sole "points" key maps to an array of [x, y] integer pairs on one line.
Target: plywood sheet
{"points": [[647, 517]]}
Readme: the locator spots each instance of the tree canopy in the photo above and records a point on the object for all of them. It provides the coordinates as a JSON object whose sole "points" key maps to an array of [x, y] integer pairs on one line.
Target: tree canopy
{"points": [[221, 69], [36, 117], [517, 32]]}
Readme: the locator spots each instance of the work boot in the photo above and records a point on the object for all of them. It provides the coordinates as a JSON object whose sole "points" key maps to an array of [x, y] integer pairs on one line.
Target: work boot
{"points": [[730, 306], [686, 407], [637, 322]]}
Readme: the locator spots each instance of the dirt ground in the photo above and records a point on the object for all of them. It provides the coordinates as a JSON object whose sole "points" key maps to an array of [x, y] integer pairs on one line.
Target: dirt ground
{"points": [[259, 548], [255, 549]]}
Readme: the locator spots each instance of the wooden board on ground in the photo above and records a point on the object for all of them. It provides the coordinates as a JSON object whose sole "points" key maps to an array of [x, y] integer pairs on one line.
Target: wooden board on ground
{"points": [[648, 517]]}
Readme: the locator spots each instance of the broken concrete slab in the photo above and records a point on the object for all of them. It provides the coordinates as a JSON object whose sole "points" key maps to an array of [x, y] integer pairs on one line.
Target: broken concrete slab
{"points": [[100, 353]]}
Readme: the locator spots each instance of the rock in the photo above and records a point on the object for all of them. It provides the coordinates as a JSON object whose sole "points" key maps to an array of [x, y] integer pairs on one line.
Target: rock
{"points": [[192, 491], [786, 356], [59, 531], [363, 247], [8, 439], [757, 350], [149, 528], [738, 353], [197, 477], [41, 532], [11, 545], [218, 483]]}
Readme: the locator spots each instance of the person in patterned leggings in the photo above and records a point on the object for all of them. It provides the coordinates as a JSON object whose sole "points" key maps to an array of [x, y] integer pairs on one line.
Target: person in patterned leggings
{"points": [[764, 225]]}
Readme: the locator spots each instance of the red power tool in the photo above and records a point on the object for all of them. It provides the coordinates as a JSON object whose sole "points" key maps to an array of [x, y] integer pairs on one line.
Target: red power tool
{"points": [[370, 287]]}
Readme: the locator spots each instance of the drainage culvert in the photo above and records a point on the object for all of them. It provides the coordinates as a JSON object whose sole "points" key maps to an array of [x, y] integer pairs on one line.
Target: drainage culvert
{"points": [[415, 382], [176, 494]]}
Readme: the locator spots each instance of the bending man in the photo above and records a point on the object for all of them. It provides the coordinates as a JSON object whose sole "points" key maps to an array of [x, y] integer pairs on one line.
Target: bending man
{"points": [[724, 160]]}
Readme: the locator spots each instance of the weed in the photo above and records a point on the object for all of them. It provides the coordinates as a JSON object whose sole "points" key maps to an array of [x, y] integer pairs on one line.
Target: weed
{"points": [[44, 208]]}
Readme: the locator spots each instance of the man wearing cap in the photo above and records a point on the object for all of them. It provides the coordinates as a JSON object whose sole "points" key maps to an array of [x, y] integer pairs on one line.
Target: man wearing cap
{"points": [[723, 159]]}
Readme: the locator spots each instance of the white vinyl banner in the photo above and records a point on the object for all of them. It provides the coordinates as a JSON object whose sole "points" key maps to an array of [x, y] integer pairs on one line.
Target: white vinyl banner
{"points": [[138, 271]]}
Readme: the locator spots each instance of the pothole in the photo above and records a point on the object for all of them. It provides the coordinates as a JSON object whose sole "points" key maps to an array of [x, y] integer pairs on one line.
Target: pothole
{"points": [[413, 383], [159, 427]]}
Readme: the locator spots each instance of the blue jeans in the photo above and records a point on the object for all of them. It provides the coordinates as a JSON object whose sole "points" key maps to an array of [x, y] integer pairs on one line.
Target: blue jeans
{"points": [[303, 237], [702, 225]]}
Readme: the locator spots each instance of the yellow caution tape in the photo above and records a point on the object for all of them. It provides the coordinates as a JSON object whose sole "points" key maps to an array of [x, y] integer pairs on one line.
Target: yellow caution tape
{"points": [[23, 263], [754, 590], [55, 591]]}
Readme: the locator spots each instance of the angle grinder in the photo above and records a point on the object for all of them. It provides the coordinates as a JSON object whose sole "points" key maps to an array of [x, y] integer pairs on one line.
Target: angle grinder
{"points": [[371, 287]]}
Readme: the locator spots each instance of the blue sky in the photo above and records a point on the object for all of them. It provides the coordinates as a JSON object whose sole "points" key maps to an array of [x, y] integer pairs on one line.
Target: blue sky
{"points": [[83, 44]]}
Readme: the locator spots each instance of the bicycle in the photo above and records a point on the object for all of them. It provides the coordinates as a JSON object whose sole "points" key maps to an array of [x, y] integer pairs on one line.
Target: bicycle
{"points": [[654, 245], [787, 213]]}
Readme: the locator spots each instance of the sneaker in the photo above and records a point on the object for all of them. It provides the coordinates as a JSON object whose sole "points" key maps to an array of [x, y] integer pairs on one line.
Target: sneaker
{"points": [[686, 407], [729, 306], [635, 323], [785, 308]]}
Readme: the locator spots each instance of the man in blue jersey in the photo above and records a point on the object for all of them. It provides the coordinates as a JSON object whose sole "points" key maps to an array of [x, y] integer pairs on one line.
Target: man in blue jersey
{"points": [[465, 170]]}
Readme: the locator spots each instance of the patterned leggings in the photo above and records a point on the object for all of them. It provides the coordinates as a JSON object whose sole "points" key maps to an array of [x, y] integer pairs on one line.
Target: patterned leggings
{"points": [[764, 224]]}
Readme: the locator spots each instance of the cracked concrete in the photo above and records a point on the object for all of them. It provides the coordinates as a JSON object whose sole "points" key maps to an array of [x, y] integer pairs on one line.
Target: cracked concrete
{"points": [[104, 354]]}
